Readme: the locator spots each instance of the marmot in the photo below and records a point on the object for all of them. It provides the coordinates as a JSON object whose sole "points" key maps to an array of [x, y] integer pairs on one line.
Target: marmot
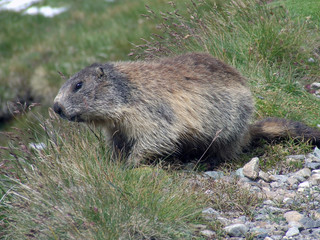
{"points": [[189, 103]]}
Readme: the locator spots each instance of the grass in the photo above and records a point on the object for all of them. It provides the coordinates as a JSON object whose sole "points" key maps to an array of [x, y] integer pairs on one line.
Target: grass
{"points": [[74, 188]]}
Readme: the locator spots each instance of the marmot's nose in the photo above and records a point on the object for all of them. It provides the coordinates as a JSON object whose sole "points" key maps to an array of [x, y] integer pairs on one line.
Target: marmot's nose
{"points": [[57, 108]]}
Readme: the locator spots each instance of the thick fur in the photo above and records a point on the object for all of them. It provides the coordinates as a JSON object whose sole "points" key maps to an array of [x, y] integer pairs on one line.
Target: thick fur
{"points": [[186, 104]]}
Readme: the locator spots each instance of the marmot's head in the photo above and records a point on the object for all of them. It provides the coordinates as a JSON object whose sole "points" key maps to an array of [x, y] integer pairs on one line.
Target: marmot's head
{"points": [[97, 92]]}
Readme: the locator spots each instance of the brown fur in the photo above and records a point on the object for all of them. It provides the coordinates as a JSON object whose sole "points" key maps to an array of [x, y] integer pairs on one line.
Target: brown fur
{"points": [[171, 105]]}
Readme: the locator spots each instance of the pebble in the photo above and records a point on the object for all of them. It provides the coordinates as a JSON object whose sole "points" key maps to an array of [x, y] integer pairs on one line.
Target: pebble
{"points": [[210, 211], [264, 176], [305, 184], [312, 165], [251, 169], [293, 231], [293, 216], [310, 223], [239, 172], [236, 230], [208, 233], [305, 172], [214, 174]]}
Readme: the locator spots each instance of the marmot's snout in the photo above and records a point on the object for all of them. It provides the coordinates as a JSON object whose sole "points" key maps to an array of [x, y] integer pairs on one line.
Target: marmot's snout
{"points": [[58, 109]]}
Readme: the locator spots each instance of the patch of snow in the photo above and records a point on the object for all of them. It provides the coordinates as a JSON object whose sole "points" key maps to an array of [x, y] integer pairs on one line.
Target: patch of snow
{"points": [[45, 11], [16, 5]]}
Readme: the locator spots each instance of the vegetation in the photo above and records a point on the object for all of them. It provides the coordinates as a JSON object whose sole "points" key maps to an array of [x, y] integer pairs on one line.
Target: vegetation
{"points": [[73, 187]]}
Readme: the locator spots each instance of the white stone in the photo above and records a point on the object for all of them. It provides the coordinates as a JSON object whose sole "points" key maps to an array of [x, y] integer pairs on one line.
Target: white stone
{"points": [[251, 169], [292, 232], [236, 230], [305, 184], [264, 176], [305, 172], [208, 233], [315, 178]]}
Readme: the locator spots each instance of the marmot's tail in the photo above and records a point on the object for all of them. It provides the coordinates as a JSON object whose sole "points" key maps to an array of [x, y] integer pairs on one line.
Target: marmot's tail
{"points": [[276, 128]]}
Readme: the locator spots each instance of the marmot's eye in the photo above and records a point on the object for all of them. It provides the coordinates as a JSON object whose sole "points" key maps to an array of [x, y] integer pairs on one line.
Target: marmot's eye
{"points": [[78, 86]]}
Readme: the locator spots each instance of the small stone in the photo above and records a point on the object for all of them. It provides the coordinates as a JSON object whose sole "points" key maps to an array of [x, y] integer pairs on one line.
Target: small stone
{"points": [[264, 176], [310, 223], [208, 233], [279, 178], [292, 232], [316, 151], [268, 238], [305, 184], [251, 169], [239, 172], [312, 165], [315, 85], [236, 230], [311, 60], [293, 216], [295, 224], [269, 202], [315, 178], [305, 172], [224, 221], [214, 174], [287, 200], [292, 180], [260, 233], [274, 184], [296, 157], [210, 211]]}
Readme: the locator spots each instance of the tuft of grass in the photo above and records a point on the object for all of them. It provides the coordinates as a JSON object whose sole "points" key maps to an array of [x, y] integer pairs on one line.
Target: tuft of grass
{"points": [[74, 189]]}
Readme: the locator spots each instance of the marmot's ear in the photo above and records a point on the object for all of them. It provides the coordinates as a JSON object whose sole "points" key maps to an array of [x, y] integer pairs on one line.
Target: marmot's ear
{"points": [[99, 72]]}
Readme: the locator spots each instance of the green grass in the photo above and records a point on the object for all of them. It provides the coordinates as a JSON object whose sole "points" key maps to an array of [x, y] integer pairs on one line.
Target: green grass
{"points": [[74, 189]]}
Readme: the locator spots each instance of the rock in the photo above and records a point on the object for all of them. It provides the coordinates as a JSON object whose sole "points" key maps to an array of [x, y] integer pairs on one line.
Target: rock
{"points": [[214, 174], [295, 224], [305, 184], [315, 85], [264, 176], [269, 202], [268, 238], [210, 211], [259, 233], [312, 165], [305, 172], [293, 216], [315, 178], [208, 233], [316, 151], [292, 180], [310, 223], [239, 172], [251, 169], [236, 230], [296, 157], [287, 200], [292, 232], [279, 178]]}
